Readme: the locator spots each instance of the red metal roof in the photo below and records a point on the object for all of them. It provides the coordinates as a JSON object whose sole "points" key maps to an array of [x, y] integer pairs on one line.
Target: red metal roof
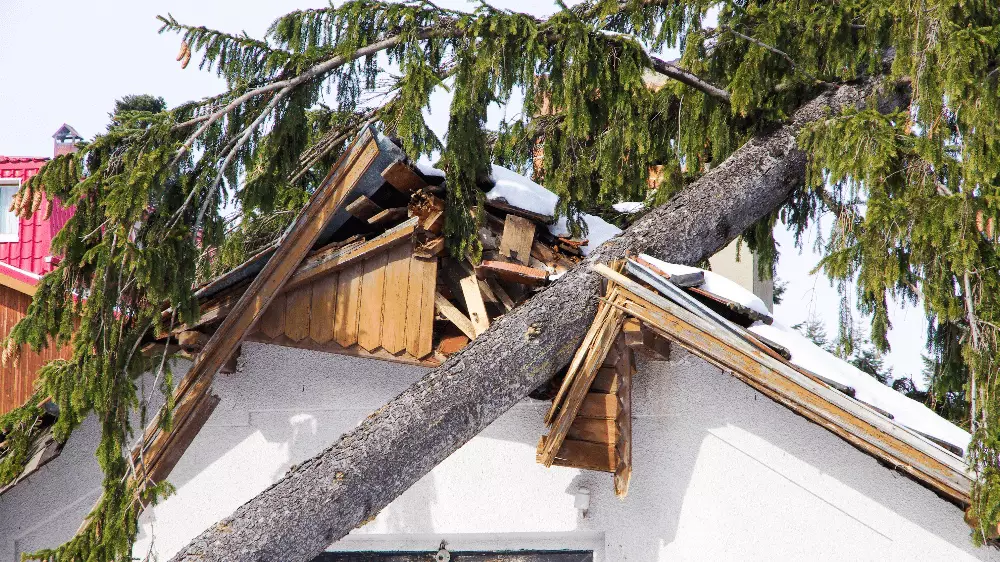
{"points": [[35, 233]]}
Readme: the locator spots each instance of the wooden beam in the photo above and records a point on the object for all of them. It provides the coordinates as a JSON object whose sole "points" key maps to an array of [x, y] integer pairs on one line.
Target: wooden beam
{"points": [[402, 177], [582, 454], [502, 205], [515, 272], [300, 238], [608, 328], [500, 292], [338, 259], [814, 400], [624, 370], [463, 274], [388, 216], [454, 315], [518, 236], [363, 208]]}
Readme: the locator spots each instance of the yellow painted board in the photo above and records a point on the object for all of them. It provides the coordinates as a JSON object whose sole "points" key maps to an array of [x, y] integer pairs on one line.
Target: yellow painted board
{"points": [[372, 299], [397, 281]]}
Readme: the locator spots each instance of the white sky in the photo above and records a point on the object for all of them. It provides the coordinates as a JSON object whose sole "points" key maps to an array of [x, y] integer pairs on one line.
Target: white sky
{"points": [[67, 61]]}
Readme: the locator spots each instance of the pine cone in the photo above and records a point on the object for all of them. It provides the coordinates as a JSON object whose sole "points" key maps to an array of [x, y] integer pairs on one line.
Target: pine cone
{"points": [[26, 198], [185, 55], [36, 202], [15, 203], [48, 210]]}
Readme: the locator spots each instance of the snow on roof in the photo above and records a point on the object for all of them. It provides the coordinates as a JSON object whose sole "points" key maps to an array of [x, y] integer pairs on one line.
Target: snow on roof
{"points": [[905, 411], [521, 192], [807, 355], [430, 171], [629, 207], [715, 284]]}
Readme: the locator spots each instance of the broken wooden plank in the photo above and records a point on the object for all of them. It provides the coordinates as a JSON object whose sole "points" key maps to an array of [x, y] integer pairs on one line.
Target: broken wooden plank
{"points": [[518, 236], [454, 315], [582, 353], [338, 259], [397, 281], [372, 301], [345, 330], [434, 222], [468, 284], [297, 304], [431, 248], [503, 205], [323, 308], [608, 330], [625, 370], [363, 208], [501, 293], [256, 300], [402, 177], [515, 272], [387, 217]]}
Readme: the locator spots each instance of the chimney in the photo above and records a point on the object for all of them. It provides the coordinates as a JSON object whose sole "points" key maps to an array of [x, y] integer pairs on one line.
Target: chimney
{"points": [[65, 140]]}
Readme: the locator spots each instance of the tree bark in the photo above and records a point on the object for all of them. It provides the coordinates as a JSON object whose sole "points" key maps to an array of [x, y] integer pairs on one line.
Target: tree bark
{"points": [[327, 496]]}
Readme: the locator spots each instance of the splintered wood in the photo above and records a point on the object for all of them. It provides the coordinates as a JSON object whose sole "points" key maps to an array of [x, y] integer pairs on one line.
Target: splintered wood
{"points": [[590, 418]]}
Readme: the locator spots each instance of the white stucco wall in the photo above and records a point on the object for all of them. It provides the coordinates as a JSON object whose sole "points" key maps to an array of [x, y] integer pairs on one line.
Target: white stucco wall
{"points": [[720, 472]]}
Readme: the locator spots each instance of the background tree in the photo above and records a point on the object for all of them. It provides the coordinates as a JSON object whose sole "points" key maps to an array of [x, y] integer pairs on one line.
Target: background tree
{"points": [[913, 186]]}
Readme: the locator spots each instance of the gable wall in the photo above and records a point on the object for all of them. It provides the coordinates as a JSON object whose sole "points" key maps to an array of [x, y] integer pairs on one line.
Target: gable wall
{"points": [[720, 472], [17, 378]]}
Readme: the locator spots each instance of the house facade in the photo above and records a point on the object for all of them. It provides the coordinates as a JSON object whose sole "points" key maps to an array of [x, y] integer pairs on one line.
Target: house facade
{"points": [[25, 256], [721, 466]]}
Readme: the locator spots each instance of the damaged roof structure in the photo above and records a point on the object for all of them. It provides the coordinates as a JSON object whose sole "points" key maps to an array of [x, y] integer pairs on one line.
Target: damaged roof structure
{"points": [[363, 272]]}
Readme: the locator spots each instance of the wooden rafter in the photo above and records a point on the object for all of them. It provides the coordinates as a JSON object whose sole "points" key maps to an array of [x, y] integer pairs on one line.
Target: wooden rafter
{"points": [[193, 388]]}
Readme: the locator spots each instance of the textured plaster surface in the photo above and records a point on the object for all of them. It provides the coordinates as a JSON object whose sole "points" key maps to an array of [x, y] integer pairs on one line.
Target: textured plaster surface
{"points": [[720, 472]]}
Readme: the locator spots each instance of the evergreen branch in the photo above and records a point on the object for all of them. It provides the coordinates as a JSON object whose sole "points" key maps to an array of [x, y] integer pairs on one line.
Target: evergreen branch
{"points": [[240, 142], [791, 62], [319, 69], [674, 71]]}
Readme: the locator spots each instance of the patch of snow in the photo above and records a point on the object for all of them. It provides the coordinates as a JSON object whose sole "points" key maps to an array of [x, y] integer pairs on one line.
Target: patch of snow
{"points": [[520, 192], [598, 231], [716, 284], [430, 171], [906, 411], [629, 207]]}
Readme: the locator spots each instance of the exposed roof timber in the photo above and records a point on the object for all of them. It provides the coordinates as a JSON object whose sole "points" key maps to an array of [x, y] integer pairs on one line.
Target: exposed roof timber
{"points": [[871, 432], [325, 207]]}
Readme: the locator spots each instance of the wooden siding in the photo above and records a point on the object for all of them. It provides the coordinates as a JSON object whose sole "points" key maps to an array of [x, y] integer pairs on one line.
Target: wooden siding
{"points": [[17, 378], [382, 306]]}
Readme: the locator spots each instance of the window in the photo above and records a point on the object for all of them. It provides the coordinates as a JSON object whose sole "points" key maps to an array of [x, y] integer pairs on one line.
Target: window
{"points": [[9, 222]]}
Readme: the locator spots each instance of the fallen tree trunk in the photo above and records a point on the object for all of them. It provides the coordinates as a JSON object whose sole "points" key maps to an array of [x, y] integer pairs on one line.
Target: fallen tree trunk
{"points": [[327, 496]]}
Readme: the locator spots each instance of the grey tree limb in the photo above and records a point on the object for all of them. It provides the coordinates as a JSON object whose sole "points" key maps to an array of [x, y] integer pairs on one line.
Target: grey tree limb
{"points": [[324, 498]]}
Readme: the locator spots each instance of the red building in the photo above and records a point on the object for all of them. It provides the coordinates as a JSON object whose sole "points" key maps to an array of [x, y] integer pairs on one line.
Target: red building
{"points": [[25, 256]]}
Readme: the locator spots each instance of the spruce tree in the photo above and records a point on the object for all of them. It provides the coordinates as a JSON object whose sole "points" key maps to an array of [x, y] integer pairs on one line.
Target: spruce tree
{"points": [[914, 190]]}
